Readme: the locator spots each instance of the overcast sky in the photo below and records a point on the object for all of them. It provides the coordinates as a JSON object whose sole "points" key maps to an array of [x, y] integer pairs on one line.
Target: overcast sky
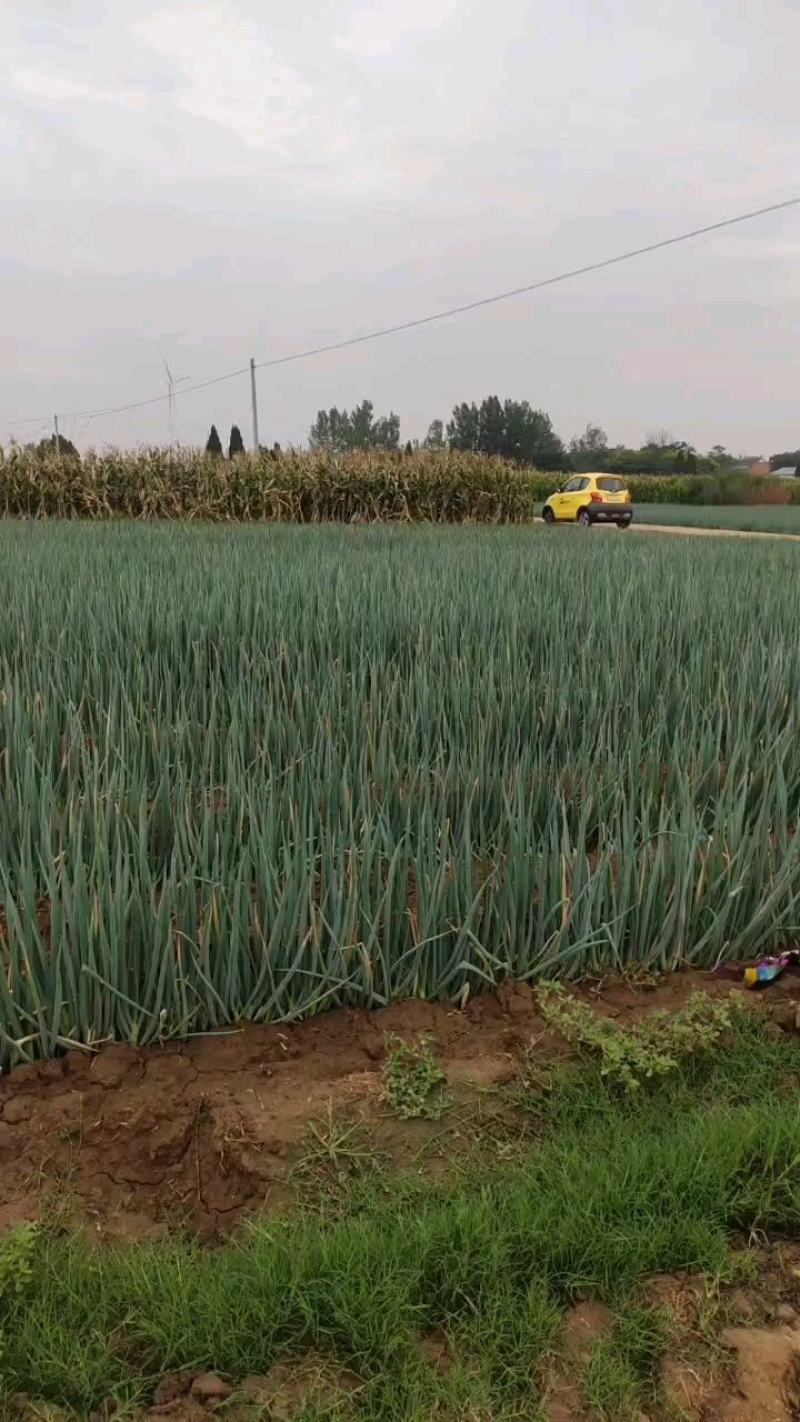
{"points": [[229, 178]]}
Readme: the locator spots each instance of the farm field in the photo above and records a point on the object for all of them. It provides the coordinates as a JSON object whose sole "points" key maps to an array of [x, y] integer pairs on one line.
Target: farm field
{"points": [[255, 773], [257, 783], [756, 518]]}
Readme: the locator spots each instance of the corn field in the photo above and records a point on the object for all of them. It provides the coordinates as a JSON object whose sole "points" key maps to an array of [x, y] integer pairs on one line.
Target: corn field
{"points": [[252, 773], [295, 487]]}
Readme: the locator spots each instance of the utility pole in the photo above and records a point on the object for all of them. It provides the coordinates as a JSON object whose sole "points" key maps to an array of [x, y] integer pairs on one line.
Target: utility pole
{"points": [[255, 404]]}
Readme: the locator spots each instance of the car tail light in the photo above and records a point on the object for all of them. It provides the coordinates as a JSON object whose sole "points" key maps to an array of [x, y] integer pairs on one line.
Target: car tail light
{"points": [[595, 498]]}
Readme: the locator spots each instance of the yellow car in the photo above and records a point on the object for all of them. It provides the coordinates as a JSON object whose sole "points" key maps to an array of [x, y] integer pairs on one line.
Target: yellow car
{"points": [[590, 498]]}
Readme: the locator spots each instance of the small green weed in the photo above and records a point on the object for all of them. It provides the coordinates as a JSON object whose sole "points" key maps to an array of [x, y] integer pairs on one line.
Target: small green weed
{"points": [[336, 1154], [16, 1269], [645, 1050], [412, 1080], [642, 977]]}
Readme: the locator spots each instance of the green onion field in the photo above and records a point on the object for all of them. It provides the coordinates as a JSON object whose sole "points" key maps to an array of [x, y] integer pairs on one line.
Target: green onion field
{"points": [[254, 773]]}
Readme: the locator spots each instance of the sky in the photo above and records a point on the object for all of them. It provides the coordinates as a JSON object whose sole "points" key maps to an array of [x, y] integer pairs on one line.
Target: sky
{"points": [[220, 179]]}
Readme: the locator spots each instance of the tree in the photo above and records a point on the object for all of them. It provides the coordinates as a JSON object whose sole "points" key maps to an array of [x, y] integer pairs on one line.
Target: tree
{"points": [[235, 443], [361, 425], [655, 457], [340, 430], [493, 427], [214, 443], [512, 429], [684, 457], [61, 446], [434, 439], [463, 428], [659, 439], [384, 433], [789, 458], [720, 458], [589, 450], [327, 431]]}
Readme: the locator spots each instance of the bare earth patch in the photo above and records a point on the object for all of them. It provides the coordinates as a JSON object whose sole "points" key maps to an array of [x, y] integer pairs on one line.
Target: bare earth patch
{"points": [[133, 1142], [130, 1143]]}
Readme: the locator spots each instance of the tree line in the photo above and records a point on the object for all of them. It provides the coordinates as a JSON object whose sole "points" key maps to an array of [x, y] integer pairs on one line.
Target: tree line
{"points": [[512, 429], [518, 432]]}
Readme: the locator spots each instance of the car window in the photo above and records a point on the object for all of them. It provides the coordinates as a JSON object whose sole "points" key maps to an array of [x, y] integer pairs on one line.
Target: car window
{"points": [[612, 486], [573, 486]]}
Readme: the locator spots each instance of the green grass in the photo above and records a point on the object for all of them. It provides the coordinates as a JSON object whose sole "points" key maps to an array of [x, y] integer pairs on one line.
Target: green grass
{"points": [[617, 1188], [758, 518], [255, 773], [622, 1368]]}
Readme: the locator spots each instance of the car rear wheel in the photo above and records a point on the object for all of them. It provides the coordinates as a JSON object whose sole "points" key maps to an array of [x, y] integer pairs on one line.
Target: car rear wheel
{"points": [[548, 515], [584, 519]]}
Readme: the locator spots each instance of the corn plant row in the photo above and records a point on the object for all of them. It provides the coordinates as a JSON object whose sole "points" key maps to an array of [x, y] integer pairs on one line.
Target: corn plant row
{"points": [[254, 773], [297, 487]]}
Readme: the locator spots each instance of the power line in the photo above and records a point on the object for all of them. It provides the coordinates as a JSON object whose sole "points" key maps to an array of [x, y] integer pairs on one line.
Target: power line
{"points": [[435, 316], [133, 404], [533, 286]]}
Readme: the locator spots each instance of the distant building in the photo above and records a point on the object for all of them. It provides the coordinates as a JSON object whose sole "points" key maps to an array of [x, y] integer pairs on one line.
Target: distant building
{"points": [[787, 472], [760, 468]]}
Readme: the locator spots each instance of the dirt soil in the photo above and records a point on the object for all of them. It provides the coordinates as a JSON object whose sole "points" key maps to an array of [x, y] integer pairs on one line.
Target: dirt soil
{"points": [[133, 1142], [714, 1371], [745, 1370]]}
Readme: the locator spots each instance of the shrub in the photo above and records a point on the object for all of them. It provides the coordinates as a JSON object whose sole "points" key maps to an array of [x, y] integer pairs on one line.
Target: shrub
{"points": [[648, 1049]]}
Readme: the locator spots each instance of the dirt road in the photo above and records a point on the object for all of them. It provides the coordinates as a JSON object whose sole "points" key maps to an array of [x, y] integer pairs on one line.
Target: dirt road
{"points": [[696, 532], [716, 532]]}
